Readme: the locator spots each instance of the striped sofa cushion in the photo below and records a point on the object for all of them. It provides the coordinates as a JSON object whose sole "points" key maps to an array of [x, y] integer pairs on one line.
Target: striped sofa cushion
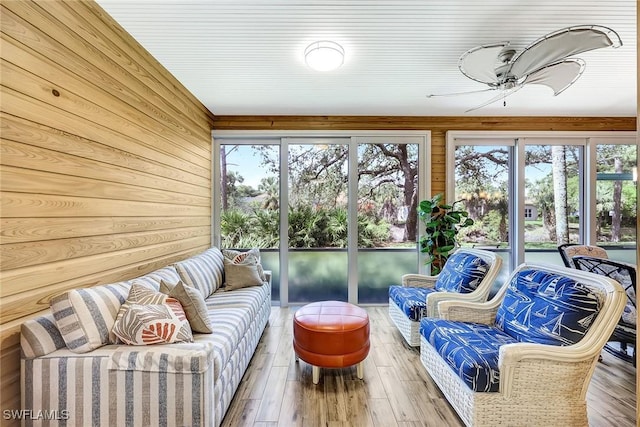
{"points": [[40, 336], [205, 271], [85, 316], [167, 274]]}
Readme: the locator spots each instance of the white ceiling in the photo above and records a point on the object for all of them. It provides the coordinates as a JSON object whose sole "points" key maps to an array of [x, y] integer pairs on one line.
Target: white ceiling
{"points": [[243, 57]]}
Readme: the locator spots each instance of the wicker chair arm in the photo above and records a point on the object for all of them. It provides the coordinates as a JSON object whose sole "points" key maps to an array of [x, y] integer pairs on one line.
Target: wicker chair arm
{"points": [[467, 311], [545, 370], [418, 281], [435, 298]]}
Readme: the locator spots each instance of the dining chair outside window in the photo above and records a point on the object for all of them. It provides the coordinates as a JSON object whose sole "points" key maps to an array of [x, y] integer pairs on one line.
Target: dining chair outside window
{"points": [[625, 274], [569, 250]]}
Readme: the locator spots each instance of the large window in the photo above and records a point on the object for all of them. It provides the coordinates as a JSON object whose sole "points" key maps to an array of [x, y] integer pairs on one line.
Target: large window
{"points": [[530, 192], [349, 229]]}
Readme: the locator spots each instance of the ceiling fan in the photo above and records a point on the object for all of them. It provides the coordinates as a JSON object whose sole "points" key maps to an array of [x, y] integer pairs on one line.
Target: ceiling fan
{"points": [[545, 61]]}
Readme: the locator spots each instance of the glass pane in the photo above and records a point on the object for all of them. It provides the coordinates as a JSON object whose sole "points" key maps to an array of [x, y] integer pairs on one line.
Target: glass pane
{"points": [[617, 205], [482, 182], [481, 186], [250, 196], [250, 201], [552, 200], [387, 218], [318, 222]]}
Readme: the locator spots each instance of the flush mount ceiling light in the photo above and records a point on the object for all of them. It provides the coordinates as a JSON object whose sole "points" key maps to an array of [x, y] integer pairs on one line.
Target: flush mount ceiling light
{"points": [[324, 55]]}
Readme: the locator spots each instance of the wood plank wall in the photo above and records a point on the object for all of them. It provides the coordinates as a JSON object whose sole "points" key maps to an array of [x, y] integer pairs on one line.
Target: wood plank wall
{"points": [[105, 163], [437, 125]]}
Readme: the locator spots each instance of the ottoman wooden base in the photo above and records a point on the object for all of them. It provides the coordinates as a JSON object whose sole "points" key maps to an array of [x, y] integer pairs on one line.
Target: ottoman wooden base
{"points": [[331, 334]]}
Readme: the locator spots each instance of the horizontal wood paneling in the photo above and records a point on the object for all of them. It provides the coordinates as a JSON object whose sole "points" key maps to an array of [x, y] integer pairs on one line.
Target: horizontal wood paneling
{"points": [[19, 255], [105, 163], [71, 154], [20, 230], [433, 123]]}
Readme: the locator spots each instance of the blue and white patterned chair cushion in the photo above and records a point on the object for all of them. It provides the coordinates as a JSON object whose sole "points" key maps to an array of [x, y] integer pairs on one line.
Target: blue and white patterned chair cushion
{"points": [[462, 273], [547, 308], [412, 301], [471, 349]]}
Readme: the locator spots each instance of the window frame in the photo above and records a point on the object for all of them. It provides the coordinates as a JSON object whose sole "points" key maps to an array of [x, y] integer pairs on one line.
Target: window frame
{"points": [[519, 140], [283, 138]]}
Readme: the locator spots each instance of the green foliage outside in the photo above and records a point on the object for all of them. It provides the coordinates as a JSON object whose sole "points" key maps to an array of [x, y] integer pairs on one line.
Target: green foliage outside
{"points": [[308, 228]]}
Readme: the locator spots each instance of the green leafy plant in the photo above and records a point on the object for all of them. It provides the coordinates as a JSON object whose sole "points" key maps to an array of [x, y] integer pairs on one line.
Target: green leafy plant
{"points": [[443, 223]]}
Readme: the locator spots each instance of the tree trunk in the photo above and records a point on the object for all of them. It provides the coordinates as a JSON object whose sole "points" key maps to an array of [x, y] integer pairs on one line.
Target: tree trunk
{"points": [[559, 165], [616, 219]]}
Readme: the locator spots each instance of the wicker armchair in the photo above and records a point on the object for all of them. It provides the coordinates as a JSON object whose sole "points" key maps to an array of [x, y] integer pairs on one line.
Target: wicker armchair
{"points": [[532, 383], [419, 295], [569, 250], [625, 274]]}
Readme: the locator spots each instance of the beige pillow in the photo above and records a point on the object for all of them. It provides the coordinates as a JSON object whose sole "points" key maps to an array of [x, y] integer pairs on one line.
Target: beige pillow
{"points": [[166, 287], [193, 304], [251, 257], [239, 276]]}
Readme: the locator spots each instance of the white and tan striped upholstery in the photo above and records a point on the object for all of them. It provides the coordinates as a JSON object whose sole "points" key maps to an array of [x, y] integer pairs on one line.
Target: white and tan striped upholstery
{"points": [[85, 316], [40, 336], [165, 385], [204, 272]]}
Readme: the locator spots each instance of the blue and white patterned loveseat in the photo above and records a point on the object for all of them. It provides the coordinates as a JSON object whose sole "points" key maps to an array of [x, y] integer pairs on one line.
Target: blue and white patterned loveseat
{"points": [[84, 378], [526, 357]]}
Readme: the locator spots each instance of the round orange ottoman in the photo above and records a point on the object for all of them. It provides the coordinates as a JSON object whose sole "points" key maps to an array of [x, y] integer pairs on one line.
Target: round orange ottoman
{"points": [[331, 334]]}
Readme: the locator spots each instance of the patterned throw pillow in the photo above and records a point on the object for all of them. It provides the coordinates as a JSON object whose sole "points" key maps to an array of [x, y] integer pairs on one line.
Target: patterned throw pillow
{"points": [[86, 316], [251, 257], [153, 324], [150, 317], [462, 273], [193, 304], [547, 308]]}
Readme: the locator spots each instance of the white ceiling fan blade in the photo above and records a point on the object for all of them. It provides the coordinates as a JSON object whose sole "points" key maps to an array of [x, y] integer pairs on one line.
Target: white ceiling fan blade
{"points": [[503, 94], [558, 76], [431, 95], [560, 45], [479, 63]]}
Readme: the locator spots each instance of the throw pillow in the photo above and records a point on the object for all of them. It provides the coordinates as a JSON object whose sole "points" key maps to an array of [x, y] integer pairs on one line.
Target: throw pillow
{"points": [[203, 272], [141, 294], [86, 316], [251, 257], [547, 308], [193, 304], [153, 324], [166, 288], [462, 273], [241, 276]]}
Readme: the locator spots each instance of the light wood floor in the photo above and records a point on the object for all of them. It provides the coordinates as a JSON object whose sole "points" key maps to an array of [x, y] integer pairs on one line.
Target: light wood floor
{"points": [[396, 390]]}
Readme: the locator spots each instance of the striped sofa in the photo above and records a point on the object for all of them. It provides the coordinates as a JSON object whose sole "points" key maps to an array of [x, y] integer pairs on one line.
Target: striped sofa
{"points": [[73, 374]]}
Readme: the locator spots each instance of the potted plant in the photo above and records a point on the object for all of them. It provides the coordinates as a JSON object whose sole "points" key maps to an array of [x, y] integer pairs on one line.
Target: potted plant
{"points": [[443, 223]]}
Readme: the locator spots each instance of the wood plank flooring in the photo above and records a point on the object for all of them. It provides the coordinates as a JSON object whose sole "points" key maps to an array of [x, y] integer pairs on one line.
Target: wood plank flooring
{"points": [[396, 390]]}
